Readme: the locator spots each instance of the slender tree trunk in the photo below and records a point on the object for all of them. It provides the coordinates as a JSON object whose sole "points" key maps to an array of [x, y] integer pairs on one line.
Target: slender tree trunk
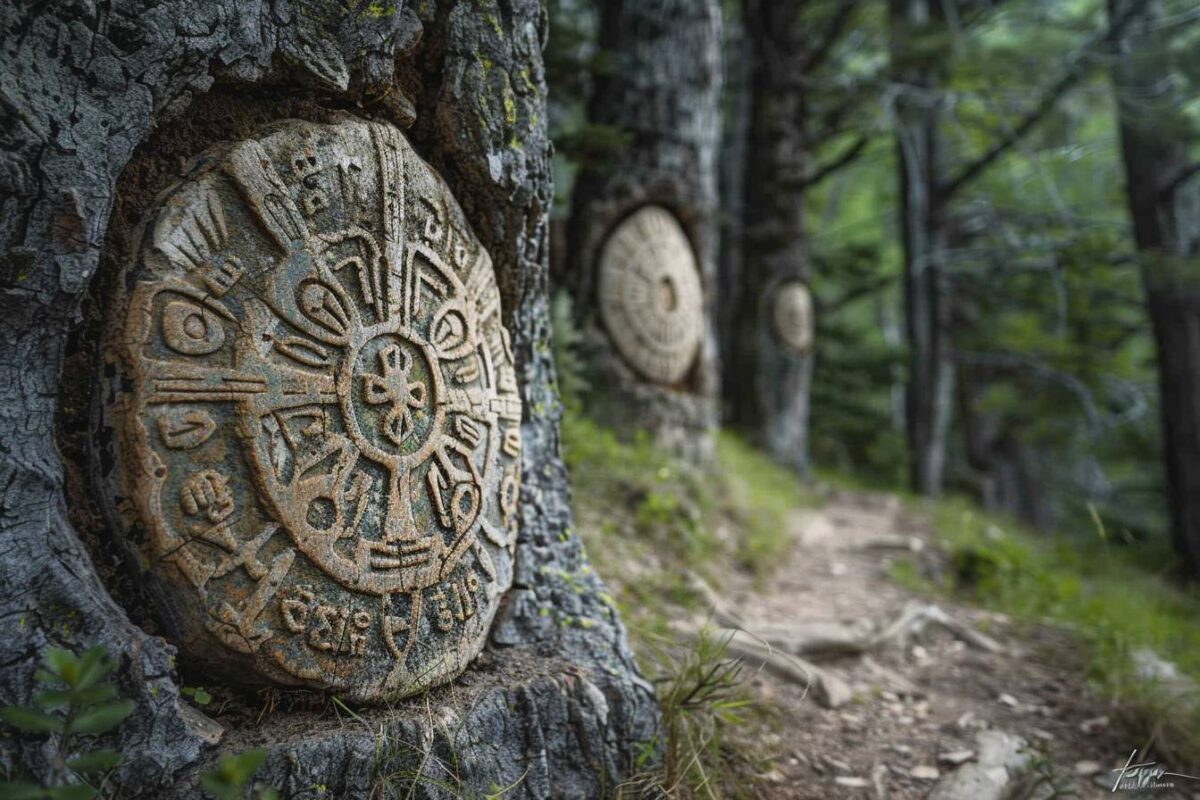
{"points": [[1164, 203], [96, 100], [770, 376], [732, 185], [927, 301], [650, 216]]}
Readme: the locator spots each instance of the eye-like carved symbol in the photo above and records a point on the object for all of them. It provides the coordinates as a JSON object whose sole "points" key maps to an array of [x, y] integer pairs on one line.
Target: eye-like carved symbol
{"points": [[322, 306], [191, 329], [184, 430], [392, 385]]}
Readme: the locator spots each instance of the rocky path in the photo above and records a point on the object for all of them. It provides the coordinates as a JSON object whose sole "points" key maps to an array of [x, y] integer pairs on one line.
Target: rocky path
{"points": [[932, 711]]}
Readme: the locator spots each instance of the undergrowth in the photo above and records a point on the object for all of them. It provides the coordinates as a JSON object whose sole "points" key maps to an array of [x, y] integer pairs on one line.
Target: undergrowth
{"points": [[647, 521], [1096, 590]]}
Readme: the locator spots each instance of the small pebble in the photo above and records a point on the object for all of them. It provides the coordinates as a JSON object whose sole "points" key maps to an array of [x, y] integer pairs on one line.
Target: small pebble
{"points": [[925, 772]]}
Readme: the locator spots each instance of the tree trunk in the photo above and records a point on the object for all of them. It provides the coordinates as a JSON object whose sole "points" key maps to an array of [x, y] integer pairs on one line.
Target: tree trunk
{"points": [[929, 398], [96, 122], [732, 190], [1163, 200], [642, 239], [772, 365]]}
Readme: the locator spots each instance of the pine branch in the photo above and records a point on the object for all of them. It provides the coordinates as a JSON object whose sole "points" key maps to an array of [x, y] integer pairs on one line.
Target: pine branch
{"points": [[1182, 177], [848, 156], [1047, 104], [833, 35]]}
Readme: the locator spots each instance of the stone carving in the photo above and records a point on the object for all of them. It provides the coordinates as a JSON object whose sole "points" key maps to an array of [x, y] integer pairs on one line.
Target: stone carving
{"points": [[320, 432], [651, 302], [793, 316]]}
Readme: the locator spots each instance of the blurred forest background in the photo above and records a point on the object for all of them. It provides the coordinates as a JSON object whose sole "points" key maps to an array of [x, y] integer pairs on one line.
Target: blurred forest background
{"points": [[988, 135], [998, 215]]}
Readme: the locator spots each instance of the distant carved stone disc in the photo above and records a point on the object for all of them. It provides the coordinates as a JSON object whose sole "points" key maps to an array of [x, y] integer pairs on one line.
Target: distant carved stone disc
{"points": [[793, 316], [651, 301], [317, 415]]}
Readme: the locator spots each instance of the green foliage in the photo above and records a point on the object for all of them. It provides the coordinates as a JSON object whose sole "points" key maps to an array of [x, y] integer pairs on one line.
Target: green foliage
{"points": [[76, 705], [1097, 591], [232, 775], [564, 339], [704, 703]]}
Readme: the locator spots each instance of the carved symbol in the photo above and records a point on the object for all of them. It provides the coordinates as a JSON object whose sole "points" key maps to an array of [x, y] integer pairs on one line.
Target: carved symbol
{"points": [[451, 335], [391, 385], [191, 329], [206, 494], [468, 430], [650, 296], [224, 276], [793, 316], [184, 430], [322, 305], [316, 313], [512, 442]]}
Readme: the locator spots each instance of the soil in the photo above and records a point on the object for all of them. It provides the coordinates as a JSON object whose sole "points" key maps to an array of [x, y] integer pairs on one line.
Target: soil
{"points": [[917, 701]]}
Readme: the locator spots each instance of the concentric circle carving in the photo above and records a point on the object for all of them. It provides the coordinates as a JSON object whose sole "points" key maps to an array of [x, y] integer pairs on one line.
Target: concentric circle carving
{"points": [[319, 423], [651, 301], [792, 315]]}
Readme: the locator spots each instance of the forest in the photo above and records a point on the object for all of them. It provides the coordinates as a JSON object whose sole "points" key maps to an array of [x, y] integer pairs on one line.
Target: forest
{"points": [[600, 399]]}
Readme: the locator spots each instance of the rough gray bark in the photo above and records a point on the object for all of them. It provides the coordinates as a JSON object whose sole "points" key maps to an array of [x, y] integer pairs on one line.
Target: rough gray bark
{"points": [[662, 90], [555, 706], [768, 387], [1163, 194]]}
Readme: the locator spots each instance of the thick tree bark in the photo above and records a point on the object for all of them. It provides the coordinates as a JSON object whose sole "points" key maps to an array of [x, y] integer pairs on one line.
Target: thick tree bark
{"points": [[769, 380], [661, 91], [1163, 197], [927, 302], [554, 707]]}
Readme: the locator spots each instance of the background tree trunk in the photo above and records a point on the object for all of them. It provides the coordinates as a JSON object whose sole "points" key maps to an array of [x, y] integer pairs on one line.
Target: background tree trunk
{"points": [[917, 26], [1163, 201], [769, 385], [553, 708], [661, 89]]}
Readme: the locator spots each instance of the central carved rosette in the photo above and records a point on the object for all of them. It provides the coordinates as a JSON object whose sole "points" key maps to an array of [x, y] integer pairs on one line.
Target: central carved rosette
{"points": [[323, 439]]}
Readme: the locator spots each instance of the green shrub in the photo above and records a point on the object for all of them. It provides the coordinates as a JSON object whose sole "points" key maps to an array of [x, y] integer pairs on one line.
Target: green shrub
{"points": [[75, 706]]}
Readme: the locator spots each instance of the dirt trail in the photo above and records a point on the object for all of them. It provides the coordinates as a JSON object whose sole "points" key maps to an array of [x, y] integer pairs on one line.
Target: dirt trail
{"points": [[918, 701]]}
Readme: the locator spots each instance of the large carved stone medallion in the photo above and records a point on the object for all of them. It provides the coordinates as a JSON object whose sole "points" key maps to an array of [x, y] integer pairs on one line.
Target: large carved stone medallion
{"points": [[650, 297], [792, 314], [319, 420]]}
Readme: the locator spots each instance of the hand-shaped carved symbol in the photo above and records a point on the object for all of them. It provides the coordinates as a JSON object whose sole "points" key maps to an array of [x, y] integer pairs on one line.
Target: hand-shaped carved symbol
{"points": [[207, 494], [391, 385]]}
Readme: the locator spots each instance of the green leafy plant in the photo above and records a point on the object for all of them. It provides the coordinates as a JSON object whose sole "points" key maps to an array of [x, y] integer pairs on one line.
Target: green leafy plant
{"points": [[75, 706], [232, 775]]}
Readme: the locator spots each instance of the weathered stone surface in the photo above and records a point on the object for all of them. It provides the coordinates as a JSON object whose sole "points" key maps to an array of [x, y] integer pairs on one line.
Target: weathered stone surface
{"points": [[316, 414], [650, 296], [793, 316]]}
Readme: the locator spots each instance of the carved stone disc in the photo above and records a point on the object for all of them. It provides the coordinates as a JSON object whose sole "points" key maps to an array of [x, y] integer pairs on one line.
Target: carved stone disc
{"points": [[650, 296], [318, 422], [793, 316]]}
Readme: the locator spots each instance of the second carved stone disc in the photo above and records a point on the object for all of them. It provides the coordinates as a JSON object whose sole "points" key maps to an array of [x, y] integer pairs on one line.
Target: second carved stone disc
{"points": [[650, 298], [793, 316], [318, 422]]}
